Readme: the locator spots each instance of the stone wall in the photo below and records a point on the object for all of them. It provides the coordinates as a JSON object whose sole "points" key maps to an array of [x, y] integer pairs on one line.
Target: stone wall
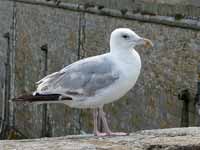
{"points": [[58, 29], [70, 35], [6, 13]]}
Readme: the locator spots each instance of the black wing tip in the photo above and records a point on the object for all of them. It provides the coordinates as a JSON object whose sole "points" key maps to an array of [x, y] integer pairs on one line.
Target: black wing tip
{"points": [[40, 98]]}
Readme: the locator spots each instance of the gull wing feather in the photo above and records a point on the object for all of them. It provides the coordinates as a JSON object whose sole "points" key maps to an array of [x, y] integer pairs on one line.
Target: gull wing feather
{"points": [[81, 79]]}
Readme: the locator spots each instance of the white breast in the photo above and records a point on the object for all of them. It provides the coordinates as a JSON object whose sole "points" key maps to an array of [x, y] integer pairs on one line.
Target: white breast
{"points": [[130, 70]]}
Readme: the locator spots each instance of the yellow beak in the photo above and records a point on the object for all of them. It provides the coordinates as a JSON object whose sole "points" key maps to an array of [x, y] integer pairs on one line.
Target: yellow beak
{"points": [[147, 43]]}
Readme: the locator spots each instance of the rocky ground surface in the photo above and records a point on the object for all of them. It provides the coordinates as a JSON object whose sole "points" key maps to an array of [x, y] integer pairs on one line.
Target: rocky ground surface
{"points": [[162, 139]]}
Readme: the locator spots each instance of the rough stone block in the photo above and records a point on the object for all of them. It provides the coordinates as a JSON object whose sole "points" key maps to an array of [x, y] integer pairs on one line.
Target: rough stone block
{"points": [[167, 139]]}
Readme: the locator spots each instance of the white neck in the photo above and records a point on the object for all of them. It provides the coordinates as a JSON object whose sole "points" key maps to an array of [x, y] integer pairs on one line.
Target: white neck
{"points": [[126, 56], [128, 61]]}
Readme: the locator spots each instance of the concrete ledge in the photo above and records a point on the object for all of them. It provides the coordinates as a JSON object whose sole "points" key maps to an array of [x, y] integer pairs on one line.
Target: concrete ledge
{"points": [[125, 14], [162, 139]]}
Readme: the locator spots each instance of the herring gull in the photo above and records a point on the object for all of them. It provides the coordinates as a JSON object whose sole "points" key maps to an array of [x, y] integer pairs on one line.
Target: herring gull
{"points": [[95, 81]]}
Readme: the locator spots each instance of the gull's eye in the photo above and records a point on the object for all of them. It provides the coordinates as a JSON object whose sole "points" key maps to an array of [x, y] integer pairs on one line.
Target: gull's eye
{"points": [[125, 36]]}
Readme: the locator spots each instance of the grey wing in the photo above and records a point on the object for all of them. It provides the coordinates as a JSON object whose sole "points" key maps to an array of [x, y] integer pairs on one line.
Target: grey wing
{"points": [[83, 79]]}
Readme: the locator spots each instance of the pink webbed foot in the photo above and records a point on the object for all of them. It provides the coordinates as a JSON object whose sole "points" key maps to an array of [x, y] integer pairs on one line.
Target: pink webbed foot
{"points": [[111, 134], [117, 134], [100, 134]]}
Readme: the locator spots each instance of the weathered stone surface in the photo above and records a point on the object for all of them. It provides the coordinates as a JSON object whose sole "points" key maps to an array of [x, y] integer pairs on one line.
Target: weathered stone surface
{"points": [[174, 2], [167, 139], [152, 7], [129, 3], [176, 8]]}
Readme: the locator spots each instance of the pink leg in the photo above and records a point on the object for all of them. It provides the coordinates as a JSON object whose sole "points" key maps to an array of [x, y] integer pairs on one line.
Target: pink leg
{"points": [[105, 124], [96, 131]]}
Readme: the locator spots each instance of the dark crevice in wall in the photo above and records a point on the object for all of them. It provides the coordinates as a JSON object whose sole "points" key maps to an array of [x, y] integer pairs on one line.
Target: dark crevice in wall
{"points": [[82, 35], [79, 37], [6, 111], [13, 37], [45, 118], [80, 56], [8, 76]]}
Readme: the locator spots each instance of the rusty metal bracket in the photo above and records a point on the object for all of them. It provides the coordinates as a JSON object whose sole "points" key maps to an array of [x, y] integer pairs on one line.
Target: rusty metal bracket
{"points": [[197, 97], [184, 95]]}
